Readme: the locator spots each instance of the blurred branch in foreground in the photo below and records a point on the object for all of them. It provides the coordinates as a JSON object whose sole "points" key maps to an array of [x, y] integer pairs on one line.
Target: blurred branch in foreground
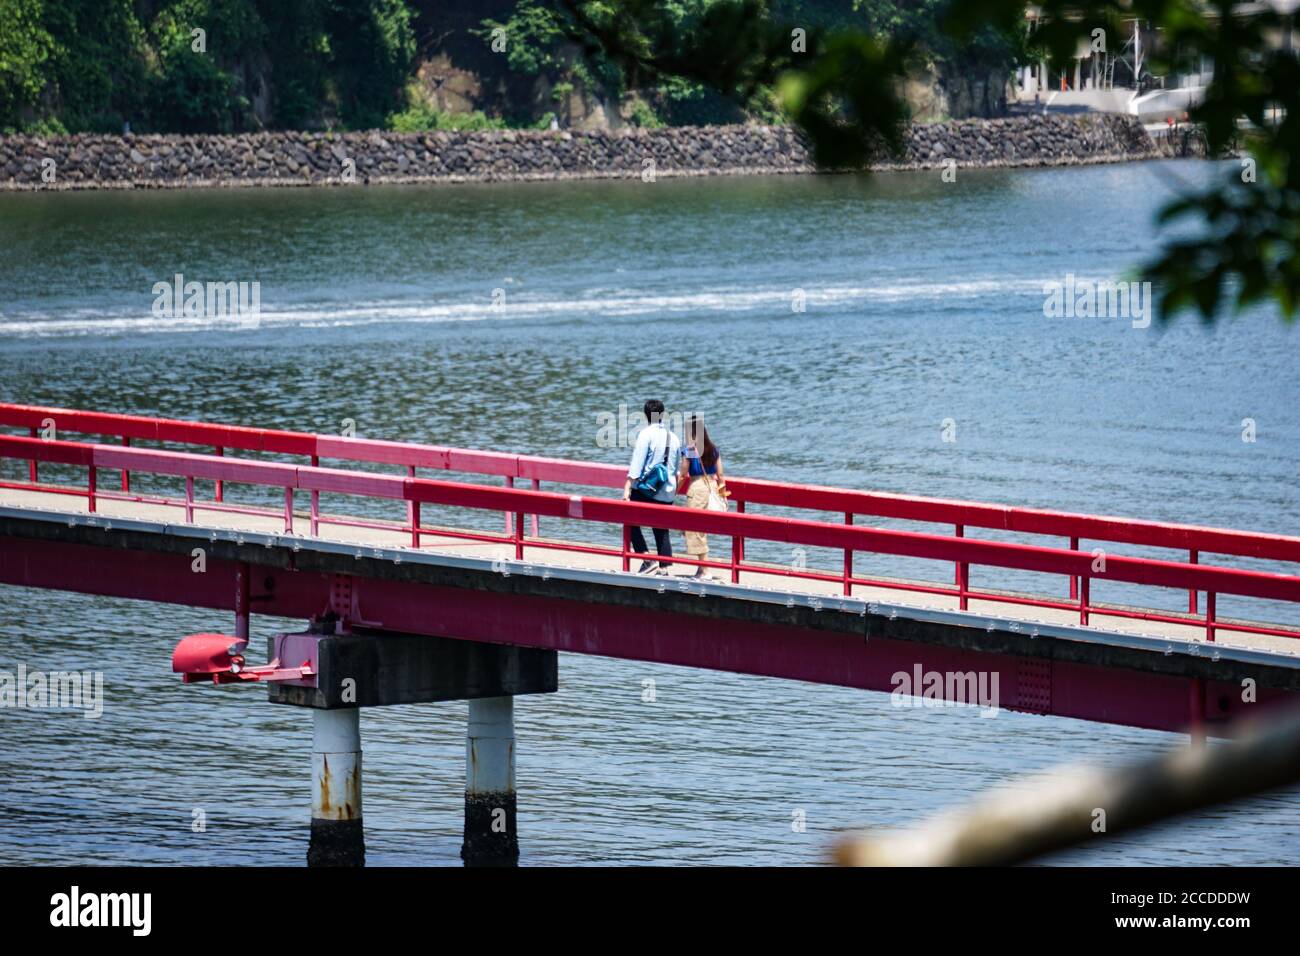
{"points": [[1075, 805]]}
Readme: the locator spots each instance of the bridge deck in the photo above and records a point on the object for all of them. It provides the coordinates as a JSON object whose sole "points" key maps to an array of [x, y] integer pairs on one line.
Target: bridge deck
{"points": [[394, 535]]}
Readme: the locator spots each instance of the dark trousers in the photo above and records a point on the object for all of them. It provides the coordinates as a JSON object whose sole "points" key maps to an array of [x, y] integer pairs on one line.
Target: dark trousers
{"points": [[662, 544]]}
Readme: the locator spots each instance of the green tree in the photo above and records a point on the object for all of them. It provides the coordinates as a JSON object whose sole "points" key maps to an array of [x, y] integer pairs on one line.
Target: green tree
{"points": [[344, 61], [26, 48], [98, 76], [96, 64], [537, 45], [200, 45], [371, 50]]}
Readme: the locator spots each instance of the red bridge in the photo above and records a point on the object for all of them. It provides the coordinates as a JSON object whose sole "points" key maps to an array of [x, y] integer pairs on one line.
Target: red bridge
{"points": [[65, 527], [476, 604]]}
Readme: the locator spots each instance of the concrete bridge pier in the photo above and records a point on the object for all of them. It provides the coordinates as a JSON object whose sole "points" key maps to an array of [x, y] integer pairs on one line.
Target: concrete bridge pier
{"points": [[491, 838], [382, 668], [337, 835]]}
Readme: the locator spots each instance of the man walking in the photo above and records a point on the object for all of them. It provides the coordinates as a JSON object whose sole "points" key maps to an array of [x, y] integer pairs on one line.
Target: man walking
{"points": [[652, 479]]}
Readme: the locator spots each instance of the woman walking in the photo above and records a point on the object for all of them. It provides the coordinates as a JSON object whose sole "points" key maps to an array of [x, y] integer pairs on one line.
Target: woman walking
{"points": [[702, 464]]}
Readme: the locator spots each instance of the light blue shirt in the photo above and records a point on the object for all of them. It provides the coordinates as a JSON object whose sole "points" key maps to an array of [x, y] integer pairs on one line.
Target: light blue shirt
{"points": [[649, 451]]}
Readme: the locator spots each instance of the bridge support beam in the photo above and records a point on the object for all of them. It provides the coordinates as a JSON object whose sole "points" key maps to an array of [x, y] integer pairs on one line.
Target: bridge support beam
{"points": [[491, 838], [337, 834], [380, 668]]}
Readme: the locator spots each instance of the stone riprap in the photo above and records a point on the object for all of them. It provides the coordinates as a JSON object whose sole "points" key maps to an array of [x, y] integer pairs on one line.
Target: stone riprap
{"points": [[91, 161]]}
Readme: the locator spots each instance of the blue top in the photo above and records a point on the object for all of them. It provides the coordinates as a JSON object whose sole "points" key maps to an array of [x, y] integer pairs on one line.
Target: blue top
{"points": [[649, 451], [697, 467]]}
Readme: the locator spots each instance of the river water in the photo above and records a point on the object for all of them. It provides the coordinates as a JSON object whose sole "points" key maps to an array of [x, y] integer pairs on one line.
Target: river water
{"points": [[521, 317]]}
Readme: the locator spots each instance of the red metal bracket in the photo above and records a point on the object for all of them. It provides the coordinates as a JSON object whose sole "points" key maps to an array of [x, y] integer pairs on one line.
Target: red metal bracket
{"points": [[220, 658], [341, 600], [345, 605]]}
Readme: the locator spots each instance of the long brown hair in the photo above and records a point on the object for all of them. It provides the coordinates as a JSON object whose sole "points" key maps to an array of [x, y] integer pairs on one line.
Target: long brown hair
{"points": [[698, 437]]}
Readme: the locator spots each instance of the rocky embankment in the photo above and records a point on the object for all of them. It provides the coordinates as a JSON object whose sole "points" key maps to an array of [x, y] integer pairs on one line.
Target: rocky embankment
{"points": [[302, 159]]}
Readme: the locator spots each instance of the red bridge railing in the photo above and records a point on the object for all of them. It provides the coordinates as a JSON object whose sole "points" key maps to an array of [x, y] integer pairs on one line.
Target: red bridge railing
{"points": [[962, 551]]}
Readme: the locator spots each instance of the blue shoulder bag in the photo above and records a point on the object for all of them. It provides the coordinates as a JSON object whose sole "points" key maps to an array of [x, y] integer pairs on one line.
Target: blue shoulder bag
{"points": [[653, 481]]}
